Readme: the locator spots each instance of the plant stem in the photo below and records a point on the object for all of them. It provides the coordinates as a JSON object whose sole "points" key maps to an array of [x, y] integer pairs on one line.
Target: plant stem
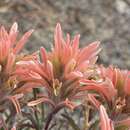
{"points": [[43, 113], [52, 114], [86, 116], [36, 115], [71, 122]]}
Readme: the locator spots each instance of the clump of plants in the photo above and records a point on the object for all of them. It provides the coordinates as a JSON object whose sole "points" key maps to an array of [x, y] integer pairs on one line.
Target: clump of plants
{"points": [[60, 89]]}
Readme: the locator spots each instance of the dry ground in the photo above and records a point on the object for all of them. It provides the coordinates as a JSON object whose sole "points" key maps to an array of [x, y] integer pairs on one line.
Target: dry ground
{"points": [[104, 20]]}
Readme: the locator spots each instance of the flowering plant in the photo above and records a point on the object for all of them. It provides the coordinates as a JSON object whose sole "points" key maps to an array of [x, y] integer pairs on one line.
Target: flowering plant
{"points": [[43, 84]]}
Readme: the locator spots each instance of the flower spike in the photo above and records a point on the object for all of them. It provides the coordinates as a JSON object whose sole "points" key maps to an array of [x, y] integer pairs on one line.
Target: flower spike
{"points": [[106, 123], [22, 41]]}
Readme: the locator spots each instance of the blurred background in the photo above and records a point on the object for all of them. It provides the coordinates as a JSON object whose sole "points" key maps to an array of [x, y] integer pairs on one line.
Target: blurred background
{"points": [[105, 20]]}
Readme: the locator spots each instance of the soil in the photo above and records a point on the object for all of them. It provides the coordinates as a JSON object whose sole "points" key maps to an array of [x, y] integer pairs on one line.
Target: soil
{"points": [[105, 20]]}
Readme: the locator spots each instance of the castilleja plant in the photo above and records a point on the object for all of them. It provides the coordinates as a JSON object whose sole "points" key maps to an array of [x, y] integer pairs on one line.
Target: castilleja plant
{"points": [[65, 77], [9, 85], [60, 70], [115, 90], [119, 106]]}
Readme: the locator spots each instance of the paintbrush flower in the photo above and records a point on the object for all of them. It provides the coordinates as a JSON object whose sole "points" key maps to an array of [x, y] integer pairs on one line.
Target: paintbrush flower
{"points": [[120, 104], [9, 49], [105, 122], [115, 90], [60, 70]]}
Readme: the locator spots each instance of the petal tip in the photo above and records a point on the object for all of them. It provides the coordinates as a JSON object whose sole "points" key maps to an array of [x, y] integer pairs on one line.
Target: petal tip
{"points": [[15, 26]]}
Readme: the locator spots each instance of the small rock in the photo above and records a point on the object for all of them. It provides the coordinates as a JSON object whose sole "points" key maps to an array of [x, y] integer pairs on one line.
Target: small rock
{"points": [[121, 6]]}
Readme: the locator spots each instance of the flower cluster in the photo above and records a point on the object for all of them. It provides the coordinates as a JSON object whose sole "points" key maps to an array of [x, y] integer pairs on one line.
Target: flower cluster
{"points": [[65, 77]]}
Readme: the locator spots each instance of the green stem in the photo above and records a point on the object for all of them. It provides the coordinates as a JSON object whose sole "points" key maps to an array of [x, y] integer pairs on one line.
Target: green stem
{"points": [[52, 114], [35, 91], [71, 122], [86, 116], [42, 107]]}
